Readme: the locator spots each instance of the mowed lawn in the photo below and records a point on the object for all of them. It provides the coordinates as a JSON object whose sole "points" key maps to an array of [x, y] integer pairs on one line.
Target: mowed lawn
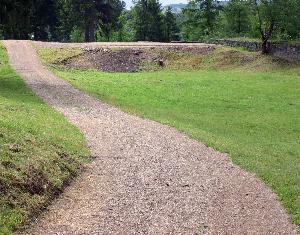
{"points": [[255, 117], [39, 150]]}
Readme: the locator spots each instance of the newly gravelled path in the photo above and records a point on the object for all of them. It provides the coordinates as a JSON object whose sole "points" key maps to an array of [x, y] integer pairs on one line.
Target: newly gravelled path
{"points": [[146, 178]]}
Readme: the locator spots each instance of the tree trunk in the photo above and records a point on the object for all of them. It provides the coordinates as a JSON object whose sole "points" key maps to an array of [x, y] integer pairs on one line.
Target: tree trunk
{"points": [[87, 33], [265, 46], [92, 33]]}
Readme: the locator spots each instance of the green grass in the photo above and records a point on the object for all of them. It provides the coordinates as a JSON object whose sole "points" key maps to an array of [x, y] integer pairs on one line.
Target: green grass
{"points": [[222, 58], [253, 116], [56, 56], [39, 150]]}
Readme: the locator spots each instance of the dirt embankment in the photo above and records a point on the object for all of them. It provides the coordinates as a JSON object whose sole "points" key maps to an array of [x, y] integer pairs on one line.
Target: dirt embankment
{"points": [[134, 57], [130, 59]]}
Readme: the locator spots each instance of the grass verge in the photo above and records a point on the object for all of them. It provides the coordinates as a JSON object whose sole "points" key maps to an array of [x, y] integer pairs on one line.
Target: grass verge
{"points": [[237, 102], [59, 55], [39, 150]]}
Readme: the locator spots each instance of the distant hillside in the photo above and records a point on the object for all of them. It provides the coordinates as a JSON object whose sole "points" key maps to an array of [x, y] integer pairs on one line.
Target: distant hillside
{"points": [[222, 3], [177, 8]]}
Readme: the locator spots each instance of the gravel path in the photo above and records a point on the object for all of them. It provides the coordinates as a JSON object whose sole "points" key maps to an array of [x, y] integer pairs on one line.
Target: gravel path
{"points": [[93, 45], [146, 178]]}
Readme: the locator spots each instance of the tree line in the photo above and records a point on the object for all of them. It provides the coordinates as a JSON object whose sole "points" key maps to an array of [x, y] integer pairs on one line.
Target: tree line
{"points": [[147, 20], [265, 19], [57, 20]]}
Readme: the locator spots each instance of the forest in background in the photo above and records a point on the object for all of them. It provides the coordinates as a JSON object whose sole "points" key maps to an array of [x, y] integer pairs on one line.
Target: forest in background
{"points": [[147, 20]]}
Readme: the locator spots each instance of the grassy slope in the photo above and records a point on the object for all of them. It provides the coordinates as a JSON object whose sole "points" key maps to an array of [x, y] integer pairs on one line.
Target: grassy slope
{"points": [[254, 116], [39, 150], [290, 42]]}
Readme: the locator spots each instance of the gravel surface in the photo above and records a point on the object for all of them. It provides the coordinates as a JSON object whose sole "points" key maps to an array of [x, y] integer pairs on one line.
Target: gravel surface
{"points": [[146, 178], [94, 45]]}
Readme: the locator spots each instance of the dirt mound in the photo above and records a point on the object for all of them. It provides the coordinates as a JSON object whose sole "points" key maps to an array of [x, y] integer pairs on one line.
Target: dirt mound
{"points": [[129, 59], [109, 60], [232, 57]]}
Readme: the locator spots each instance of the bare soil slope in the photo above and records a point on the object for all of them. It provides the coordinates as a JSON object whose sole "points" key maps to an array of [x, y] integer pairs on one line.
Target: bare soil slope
{"points": [[120, 58]]}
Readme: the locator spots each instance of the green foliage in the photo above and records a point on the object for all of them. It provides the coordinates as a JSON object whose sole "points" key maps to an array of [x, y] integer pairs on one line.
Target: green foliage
{"points": [[21, 19], [76, 35], [15, 18], [237, 17], [288, 27], [199, 19], [171, 30], [269, 15], [90, 15], [151, 23], [55, 20], [101, 20], [44, 19], [266, 19], [65, 26], [124, 32], [140, 15], [191, 25], [148, 20], [39, 150]]}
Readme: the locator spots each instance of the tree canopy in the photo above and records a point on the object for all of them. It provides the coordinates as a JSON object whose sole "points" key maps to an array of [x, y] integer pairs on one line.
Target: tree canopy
{"points": [[147, 20]]}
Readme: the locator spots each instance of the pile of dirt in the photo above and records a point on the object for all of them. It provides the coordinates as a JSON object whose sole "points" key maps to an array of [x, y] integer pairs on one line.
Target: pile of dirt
{"points": [[111, 60], [128, 59]]}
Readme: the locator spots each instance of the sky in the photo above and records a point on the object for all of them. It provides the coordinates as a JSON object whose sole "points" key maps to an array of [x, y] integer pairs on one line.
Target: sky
{"points": [[163, 2]]}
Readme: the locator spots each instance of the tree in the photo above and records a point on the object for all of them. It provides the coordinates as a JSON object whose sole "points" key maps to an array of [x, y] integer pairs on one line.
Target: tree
{"points": [[155, 21], [237, 17], [209, 12], [268, 14], [79, 20], [171, 30], [288, 26], [122, 31], [199, 19], [140, 16], [191, 22], [87, 17], [66, 25], [125, 30], [15, 18], [110, 20], [43, 19], [94, 13], [148, 23]]}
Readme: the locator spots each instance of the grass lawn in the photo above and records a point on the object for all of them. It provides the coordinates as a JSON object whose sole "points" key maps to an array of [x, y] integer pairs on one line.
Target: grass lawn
{"points": [[253, 116], [39, 150]]}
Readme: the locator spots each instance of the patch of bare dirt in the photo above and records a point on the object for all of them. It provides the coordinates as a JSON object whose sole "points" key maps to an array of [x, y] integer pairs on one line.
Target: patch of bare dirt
{"points": [[128, 59]]}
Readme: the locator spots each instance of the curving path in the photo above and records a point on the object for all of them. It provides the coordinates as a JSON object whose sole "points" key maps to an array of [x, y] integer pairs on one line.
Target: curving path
{"points": [[146, 178]]}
